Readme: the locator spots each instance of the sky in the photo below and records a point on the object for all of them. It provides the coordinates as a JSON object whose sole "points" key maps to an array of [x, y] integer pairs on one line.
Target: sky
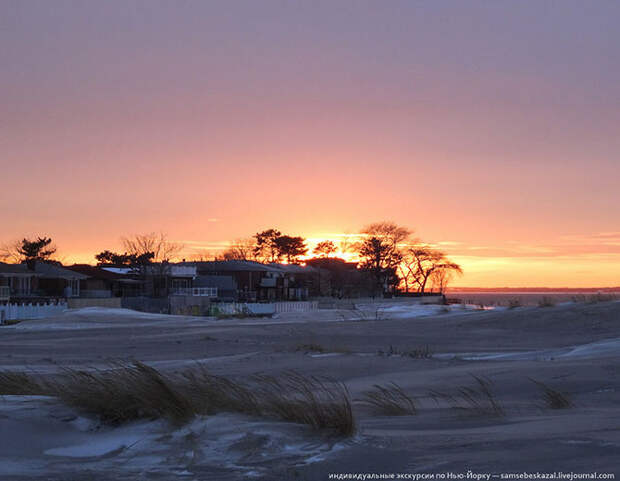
{"points": [[491, 128]]}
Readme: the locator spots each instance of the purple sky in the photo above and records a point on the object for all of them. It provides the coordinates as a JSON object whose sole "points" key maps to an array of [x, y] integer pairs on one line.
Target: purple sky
{"points": [[490, 126]]}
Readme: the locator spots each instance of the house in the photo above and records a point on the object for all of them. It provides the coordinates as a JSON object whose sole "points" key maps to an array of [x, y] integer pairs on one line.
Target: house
{"points": [[16, 280], [339, 278], [37, 279], [159, 279], [254, 281], [222, 288], [103, 283], [52, 280], [297, 283]]}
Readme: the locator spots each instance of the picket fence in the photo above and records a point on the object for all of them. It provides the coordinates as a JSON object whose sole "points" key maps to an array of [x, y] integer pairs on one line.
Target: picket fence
{"points": [[250, 308], [9, 312]]}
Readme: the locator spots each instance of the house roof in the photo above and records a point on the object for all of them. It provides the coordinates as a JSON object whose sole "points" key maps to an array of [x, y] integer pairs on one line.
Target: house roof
{"points": [[15, 269], [294, 268], [95, 272], [232, 266], [221, 282], [52, 271], [118, 270]]}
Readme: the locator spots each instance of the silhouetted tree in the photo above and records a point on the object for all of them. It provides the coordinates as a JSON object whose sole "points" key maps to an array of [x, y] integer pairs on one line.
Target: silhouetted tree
{"points": [[9, 252], [324, 248], [266, 248], [380, 252], [108, 257], [291, 248], [39, 249], [241, 250], [114, 258], [424, 263], [154, 246]]}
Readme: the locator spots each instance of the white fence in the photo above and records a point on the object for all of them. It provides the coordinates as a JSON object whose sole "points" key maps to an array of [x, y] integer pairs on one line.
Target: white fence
{"points": [[300, 306], [195, 291], [255, 308], [5, 293], [10, 312]]}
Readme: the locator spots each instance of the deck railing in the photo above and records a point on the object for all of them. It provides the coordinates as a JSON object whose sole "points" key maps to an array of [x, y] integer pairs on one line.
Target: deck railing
{"points": [[195, 291], [5, 293]]}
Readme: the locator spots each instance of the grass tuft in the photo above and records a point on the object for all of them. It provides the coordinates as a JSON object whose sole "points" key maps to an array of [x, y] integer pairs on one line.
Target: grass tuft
{"points": [[390, 400], [514, 303], [320, 402], [123, 393], [479, 399], [311, 347], [130, 391], [553, 399], [546, 302], [422, 352], [18, 383]]}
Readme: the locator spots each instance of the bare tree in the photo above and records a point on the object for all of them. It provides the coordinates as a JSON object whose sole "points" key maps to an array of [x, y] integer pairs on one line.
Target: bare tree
{"points": [[241, 250], [9, 252], [324, 248], [158, 244], [424, 263], [441, 278]]}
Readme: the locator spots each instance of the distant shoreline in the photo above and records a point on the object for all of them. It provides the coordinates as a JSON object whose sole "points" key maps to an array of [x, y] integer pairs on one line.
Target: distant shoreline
{"points": [[533, 290]]}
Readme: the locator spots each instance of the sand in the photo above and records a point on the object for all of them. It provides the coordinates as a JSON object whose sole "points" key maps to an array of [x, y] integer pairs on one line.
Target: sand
{"points": [[574, 348]]}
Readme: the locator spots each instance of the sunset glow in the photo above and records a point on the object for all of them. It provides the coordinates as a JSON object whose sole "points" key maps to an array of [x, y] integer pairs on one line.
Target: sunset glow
{"points": [[492, 132]]}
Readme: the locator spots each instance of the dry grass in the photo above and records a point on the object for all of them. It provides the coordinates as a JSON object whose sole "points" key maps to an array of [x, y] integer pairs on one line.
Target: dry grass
{"points": [[18, 383], [320, 402], [514, 303], [390, 400], [553, 399], [422, 352], [311, 347], [546, 302], [479, 399], [123, 393], [130, 391], [211, 394]]}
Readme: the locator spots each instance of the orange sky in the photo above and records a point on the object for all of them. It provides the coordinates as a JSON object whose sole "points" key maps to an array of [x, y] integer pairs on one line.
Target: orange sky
{"points": [[491, 130]]}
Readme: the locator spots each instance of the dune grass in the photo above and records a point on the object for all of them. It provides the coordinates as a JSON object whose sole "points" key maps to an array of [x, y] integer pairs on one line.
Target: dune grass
{"points": [[546, 302], [129, 391], [420, 352], [389, 400], [514, 303], [478, 400], [552, 398], [122, 393], [310, 347], [18, 383], [320, 402]]}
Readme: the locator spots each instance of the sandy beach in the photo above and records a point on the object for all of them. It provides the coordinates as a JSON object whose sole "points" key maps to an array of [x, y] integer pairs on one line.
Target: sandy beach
{"points": [[572, 348]]}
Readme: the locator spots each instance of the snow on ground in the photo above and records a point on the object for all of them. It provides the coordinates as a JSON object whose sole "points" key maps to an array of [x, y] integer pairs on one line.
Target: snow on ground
{"points": [[102, 317], [600, 349], [47, 437]]}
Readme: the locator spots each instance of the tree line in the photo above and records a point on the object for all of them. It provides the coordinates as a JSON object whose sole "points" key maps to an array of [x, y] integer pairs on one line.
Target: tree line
{"points": [[386, 252]]}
